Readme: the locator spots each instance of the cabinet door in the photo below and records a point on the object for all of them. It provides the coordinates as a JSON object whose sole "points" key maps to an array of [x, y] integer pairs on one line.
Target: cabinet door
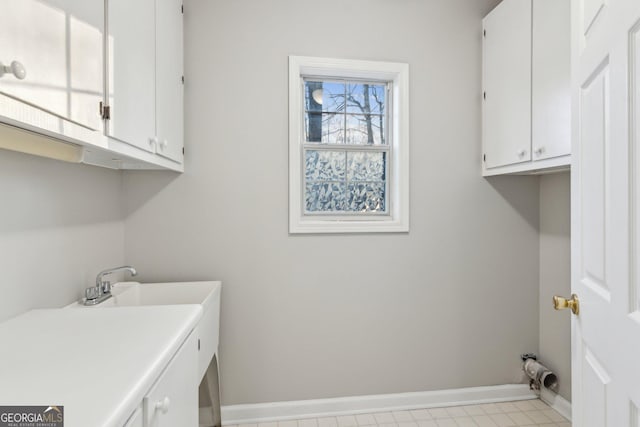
{"points": [[169, 72], [551, 103], [507, 84], [136, 419], [173, 400], [132, 61], [60, 45]]}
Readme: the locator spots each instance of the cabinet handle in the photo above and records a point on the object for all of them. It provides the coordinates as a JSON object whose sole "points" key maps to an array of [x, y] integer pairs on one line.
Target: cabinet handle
{"points": [[16, 68], [522, 153], [163, 405], [153, 140], [539, 151], [164, 143]]}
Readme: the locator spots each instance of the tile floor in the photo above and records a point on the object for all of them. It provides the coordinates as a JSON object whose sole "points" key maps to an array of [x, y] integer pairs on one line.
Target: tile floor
{"points": [[506, 414]]}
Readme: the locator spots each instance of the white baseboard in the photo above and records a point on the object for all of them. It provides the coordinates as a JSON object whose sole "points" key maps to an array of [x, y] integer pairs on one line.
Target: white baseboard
{"points": [[557, 402], [278, 411]]}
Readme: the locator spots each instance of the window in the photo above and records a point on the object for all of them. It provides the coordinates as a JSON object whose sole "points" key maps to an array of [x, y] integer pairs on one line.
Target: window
{"points": [[345, 148], [348, 146]]}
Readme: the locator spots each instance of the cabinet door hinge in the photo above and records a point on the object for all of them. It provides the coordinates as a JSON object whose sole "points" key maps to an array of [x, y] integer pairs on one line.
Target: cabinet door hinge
{"points": [[484, 95], [182, 79], [182, 9], [484, 33], [484, 157], [105, 111], [183, 151]]}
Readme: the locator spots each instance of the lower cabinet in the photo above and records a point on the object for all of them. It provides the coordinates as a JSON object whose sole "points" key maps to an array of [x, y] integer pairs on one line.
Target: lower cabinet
{"points": [[136, 419], [173, 398]]}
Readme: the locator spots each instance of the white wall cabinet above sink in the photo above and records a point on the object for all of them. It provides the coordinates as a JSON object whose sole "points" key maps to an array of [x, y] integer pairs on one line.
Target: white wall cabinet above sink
{"points": [[169, 80], [73, 58], [56, 82], [145, 85], [132, 62], [526, 107], [58, 43]]}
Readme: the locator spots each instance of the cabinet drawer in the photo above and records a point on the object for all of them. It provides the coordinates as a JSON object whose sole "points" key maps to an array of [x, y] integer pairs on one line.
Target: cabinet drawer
{"points": [[173, 400]]}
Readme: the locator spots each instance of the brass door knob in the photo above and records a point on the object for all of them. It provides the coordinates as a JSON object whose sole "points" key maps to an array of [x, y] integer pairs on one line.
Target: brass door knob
{"points": [[560, 303]]}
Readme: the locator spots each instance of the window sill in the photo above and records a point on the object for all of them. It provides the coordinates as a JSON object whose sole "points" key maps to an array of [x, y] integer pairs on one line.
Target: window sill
{"points": [[315, 226]]}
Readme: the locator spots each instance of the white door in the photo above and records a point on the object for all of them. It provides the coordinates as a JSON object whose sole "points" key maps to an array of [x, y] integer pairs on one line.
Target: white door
{"points": [[605, 179]]}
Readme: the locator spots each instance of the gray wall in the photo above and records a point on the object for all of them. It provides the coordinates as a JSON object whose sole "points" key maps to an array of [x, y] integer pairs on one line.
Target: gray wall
{"points": [[336, 315], [60, 223], [555, 276]]}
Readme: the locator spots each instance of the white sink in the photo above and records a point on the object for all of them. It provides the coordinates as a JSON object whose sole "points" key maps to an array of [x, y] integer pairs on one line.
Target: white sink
{"points": [[132, 293], [207, 294]]}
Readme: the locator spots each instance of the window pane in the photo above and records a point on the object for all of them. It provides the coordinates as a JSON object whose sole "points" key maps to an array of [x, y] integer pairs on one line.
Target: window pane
{"points": [[365, 129], [327, 128], [325, 165], [325, 197], [324, 96], [367, 197], [366, 166], [345, 181], [365, 98], [313, 96]]}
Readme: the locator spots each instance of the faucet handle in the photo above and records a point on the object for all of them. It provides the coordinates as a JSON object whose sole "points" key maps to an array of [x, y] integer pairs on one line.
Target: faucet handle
{"points": [[106, 286], [91, 293]]}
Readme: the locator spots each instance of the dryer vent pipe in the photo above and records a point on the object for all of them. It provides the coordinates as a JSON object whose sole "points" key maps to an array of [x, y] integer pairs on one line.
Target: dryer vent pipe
{"points": [[540, 375]]}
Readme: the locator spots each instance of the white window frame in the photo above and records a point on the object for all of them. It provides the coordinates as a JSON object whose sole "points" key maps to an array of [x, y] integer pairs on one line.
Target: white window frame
{"points": [[397, 74]]}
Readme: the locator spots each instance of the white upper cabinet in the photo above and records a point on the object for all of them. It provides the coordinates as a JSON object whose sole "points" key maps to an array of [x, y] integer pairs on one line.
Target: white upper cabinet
{"points": [[526, 78], [507, 84], [56, 47], [169, 79], [145, 75], [550, 86], [132, 66], [103, 75]]}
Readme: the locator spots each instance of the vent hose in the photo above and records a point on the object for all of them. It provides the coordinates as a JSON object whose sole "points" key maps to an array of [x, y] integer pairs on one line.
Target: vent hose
{"points": [[540, 375]]}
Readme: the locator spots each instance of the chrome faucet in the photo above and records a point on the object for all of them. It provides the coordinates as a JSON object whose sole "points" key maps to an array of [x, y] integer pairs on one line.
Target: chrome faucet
{"points": [[102, 290]]}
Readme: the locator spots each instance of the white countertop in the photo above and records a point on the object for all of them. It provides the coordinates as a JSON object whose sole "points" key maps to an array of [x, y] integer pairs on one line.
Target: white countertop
{"points": [[97, 363]]}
